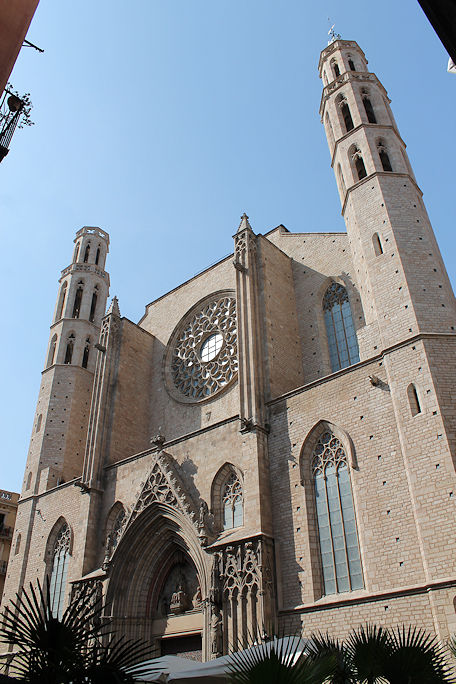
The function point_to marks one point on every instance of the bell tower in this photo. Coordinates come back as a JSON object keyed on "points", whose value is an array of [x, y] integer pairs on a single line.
{"points": [[399, 271], [409, 307], [60, 427]]}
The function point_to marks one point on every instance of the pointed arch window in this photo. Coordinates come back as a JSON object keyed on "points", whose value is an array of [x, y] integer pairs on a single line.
{"points": [[330, 131], [60, 560], [335, 68], [97, 257], [76, 252], [351, 64], [86, 253], [414, 402], [78, 300], [232, 502], [359, 163], [340, 177], [52, 348], [342, 341], [345, 111], [116, 531], [93, 305], [69, 349], [368, 107], [85, 354], [377, 244], [62, 298], [384, 158], [339, 547]]}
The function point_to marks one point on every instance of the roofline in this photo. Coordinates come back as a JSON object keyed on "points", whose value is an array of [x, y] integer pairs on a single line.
{"points": [[174, 289]]}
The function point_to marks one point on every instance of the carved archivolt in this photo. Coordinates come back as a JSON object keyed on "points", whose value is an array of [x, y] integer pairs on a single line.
{"points": [[164, 486]]}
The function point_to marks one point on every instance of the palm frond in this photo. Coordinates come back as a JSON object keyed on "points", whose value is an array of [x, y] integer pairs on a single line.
{"points": [[417, 658], [323, 646], [368, 649]]}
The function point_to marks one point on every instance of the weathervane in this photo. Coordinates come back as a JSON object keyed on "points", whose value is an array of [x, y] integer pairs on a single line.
{"points": [[332, 34]]}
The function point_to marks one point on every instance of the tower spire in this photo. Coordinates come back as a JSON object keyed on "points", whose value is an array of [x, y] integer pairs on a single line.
{"points": [[244, 224]]}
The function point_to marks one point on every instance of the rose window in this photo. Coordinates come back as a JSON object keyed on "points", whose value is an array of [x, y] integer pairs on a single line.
{"points": [[204, 356]]}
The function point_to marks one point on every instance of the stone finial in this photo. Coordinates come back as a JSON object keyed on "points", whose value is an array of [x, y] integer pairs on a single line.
{"points": [[114, 307], [244, 223]]}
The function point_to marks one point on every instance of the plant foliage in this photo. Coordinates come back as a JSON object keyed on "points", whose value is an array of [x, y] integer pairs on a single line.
{"points": [[78, 647]]}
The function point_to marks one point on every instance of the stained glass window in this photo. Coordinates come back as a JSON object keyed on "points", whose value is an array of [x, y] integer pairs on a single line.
{"points": [[61, 554], [233, 503], [342, 341], [339, 547]]}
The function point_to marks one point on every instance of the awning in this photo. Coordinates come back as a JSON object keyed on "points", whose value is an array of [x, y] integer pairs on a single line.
{"points": [[184, 671]]}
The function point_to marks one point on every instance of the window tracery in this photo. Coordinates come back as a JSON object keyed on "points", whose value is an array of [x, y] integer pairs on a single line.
{"points": [[60, 554], [339, 548], [346, 114], [342, 341], [232, 502], [359, 163], [384, 157], [69, 349], [204, 358], [368, 106]]}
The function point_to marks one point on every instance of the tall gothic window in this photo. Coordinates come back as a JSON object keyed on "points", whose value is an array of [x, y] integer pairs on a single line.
{"points": [[93, 306], [343, 345], [383, 154], [78, 300], [346, 114], [338, 535], [358, 161], [86, 253], [85, 354], [61, 554], [232, 502], [52, 348], [69, 349], [62, 297], [368, 107]]}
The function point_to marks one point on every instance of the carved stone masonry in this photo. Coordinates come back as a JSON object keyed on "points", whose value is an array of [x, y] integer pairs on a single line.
{"points": [[165, 486], [245, 566], [88, 593]]}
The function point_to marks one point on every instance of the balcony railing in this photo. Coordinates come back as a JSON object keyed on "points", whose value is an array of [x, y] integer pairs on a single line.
{"points": [[3, 566], [6, 532]]}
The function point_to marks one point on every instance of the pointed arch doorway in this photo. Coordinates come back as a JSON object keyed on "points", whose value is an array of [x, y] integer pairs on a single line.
{"points": [[158, 580]]}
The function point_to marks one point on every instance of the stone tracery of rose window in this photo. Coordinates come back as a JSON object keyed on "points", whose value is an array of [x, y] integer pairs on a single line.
{"points": [[204, 358]]}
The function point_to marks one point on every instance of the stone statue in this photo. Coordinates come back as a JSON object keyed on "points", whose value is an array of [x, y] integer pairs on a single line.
{"points": [[216, 633]]}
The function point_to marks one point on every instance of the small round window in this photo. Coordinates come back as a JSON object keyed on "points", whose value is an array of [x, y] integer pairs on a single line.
{"points": [[211, 347]]}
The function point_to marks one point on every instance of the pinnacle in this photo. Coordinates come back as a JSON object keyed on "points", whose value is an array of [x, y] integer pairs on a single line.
{"points": [[114, 307], [244, 224]]}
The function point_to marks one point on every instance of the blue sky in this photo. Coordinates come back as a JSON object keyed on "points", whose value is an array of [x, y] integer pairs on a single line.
{"points": [[161, 121]]}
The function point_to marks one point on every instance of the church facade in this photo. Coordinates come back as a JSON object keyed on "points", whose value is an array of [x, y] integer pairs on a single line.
{"points": [[272, 446]]}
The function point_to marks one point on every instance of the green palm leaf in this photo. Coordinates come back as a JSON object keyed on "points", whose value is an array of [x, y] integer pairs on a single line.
{"points": [[416, 658], [281, 660]]}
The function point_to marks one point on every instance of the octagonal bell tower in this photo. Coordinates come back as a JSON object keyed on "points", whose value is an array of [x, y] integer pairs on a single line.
{"points": [[393, 245], [60, 427]]}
